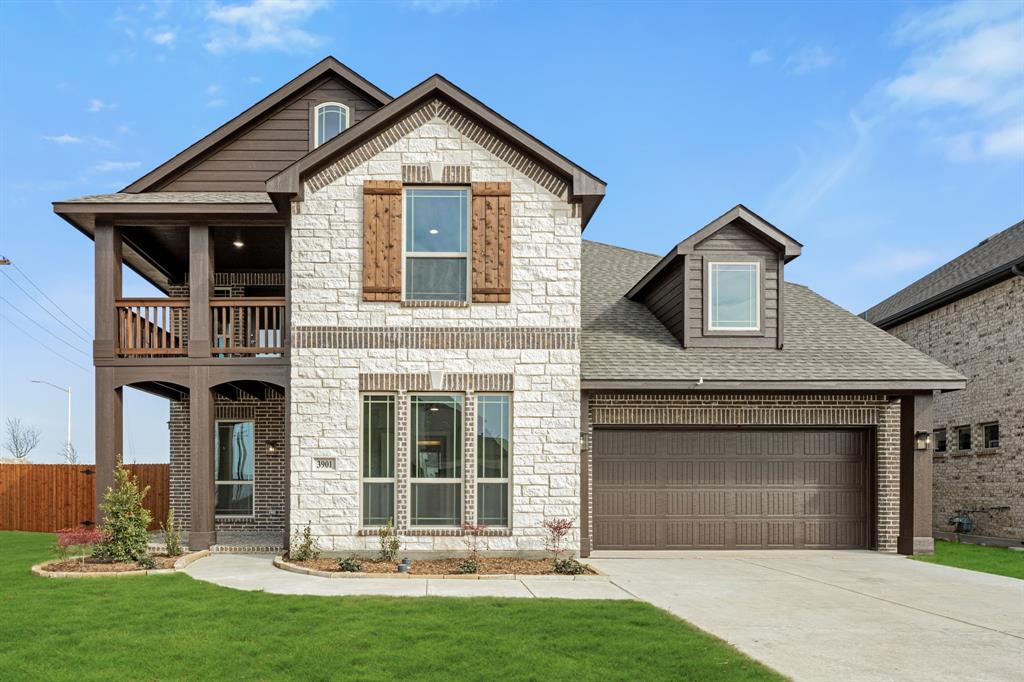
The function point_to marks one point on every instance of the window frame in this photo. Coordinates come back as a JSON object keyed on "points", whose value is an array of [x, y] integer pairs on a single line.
{"points": [[217, 482], [467, 255], [970, 438], [314, 140], [459, 481], [394, 457], [984, 435], [507, 479], [713, 259], [944, 440]]}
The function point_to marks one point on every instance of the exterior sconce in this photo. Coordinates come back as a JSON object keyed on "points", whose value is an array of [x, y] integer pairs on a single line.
{"points": [[272, 447], [922, 440]]}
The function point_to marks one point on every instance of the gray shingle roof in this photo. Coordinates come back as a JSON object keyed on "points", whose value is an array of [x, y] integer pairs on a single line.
{"points": [[623, 341], [985, 264], [174, 198]]}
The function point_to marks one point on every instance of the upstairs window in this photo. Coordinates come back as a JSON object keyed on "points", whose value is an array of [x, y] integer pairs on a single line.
{"points": [[991, 435], [329, 119], [963, 438], [940, 440], [436, 244], [734, 296]]}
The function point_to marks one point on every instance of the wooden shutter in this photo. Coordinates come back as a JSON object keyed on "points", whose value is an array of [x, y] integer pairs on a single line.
{"points": [[382, 240], [492, 242]]}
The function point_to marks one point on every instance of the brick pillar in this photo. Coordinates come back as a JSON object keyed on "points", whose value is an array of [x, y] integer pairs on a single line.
{"points": [[469, 514], [915, 477], [585, 441], [887, 476], [402, 456]]}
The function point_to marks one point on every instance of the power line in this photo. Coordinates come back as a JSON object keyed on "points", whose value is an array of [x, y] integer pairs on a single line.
{"points": [[58, 354], [56, 305], [45, 309], [51, 334]]}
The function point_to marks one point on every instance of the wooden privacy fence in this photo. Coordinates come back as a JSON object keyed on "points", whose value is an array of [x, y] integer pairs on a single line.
{"points": [[48, 497]]}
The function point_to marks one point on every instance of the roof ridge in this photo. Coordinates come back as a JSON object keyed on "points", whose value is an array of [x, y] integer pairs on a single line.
{"points": [[622, 248]]}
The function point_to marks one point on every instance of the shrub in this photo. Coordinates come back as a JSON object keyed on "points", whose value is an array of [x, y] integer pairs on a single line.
{"points": [[468, 566], [78, 540], [556, 529], [390, 543], [304, 547], [569, 567], [172, 535], [125, 520], [147, 562], [350, 564], [471, 536]]}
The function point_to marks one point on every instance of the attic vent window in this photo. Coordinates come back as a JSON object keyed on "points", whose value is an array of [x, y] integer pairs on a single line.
{"points": [[734, 296], [329, 119]]}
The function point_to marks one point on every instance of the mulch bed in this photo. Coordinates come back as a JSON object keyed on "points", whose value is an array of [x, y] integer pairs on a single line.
{"points": [[486, 566], [96, 566]]}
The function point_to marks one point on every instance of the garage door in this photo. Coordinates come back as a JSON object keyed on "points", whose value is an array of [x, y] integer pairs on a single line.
{"points": [[738, 489]]}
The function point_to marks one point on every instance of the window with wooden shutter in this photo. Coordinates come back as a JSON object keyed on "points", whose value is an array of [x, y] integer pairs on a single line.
{"points": [[492, 242], [382, 240]]}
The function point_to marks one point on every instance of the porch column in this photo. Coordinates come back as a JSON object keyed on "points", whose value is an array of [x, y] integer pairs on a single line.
{"points": [[915, 477], [109, 433], [202, 532], [200, 280], [107, 288]]}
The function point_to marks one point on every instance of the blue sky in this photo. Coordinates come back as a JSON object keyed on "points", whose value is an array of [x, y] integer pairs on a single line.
{"points": [[887, 137]]}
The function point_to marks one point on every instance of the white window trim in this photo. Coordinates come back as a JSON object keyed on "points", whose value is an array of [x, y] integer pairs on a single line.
{"points": [[757, 296], [394, 454], [507, 480], [316, 120], [406, 254], [252, 482], [460, 480]]}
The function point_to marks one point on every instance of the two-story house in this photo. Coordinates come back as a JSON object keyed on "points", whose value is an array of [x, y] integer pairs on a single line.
{"points": [[383, 309], [969, 314]]}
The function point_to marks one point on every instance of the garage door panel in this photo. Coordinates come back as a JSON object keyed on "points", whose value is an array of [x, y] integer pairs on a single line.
{"points": [[846, 474], [834, 534]]}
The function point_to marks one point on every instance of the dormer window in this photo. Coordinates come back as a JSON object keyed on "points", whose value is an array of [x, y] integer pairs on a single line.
{"points": [[329, 119], [734, 296]]}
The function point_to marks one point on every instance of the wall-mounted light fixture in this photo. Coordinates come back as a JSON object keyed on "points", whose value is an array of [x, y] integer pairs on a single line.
{"points": [[272, 447], [922, 440]]}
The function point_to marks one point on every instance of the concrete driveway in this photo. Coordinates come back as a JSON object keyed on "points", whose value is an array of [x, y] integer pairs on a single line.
{"points": [[830, 615]]}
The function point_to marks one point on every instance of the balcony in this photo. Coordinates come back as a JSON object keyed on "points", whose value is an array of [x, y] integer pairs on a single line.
{"points": [[239, 327]]}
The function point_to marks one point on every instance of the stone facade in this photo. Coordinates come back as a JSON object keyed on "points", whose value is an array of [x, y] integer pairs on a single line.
{"points": [[982, 337], [879, 412], [342, 344]]}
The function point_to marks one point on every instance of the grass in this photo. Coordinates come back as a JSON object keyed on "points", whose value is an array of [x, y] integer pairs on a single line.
{"points": [[998, 560], [174, 627]]}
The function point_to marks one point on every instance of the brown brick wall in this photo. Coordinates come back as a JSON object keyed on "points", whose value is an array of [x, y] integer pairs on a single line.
{"points": [[740, 409], [270, 468], [982, 337]]}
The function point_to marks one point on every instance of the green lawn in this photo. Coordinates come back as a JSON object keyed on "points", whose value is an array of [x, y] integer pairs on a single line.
{"points": [[174, 627], [998, 560]]}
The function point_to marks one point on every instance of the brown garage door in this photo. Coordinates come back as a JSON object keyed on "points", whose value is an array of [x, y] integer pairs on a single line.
{"points": [[730, 489]]}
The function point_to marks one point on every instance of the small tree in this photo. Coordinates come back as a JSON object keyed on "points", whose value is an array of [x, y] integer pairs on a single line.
{"points": [[172, 534], [557, 529], [472, 536], [390, 543], [77, 541], [20, 439], [125, 520]]}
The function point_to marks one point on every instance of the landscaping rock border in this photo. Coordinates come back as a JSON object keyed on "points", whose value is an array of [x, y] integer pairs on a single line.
{"points": [[285, 565], [182, 562]]}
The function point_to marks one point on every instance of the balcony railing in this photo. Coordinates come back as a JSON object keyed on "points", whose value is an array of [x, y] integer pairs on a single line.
{"points": [[247, 326], [150, 327]]}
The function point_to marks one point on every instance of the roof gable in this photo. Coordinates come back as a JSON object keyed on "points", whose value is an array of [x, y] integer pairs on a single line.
{"points": [[159, 177], [581, 186]]}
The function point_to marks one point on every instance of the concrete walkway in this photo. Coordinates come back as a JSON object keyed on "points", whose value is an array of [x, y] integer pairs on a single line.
{"points": [[257, 572], [848, 615]]}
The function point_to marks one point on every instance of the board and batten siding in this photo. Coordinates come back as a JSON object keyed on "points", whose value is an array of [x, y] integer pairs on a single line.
{"points": [[246, 161], [736, 242]]}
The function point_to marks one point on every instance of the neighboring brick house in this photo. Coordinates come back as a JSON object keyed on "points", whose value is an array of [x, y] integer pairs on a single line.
{"points": [[383, 309], [969, 314]]}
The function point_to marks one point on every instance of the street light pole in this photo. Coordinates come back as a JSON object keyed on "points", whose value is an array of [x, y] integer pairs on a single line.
{"points": [[67, 450]]}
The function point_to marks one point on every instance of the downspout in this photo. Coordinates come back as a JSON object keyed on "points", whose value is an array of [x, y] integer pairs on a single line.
{"points": [[1015, 269]]}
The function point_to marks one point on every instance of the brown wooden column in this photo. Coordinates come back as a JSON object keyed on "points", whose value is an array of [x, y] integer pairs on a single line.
{"points": [[107, 287], [200, 278], [109, 433], [915, 477], [202, 532]]}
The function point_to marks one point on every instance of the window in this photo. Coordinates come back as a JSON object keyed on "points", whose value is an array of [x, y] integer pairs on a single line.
{"points": [[329, 119], [940, 440], [235, 452], [734, 296], [493, 450], [378, 465], [990, 434], [435, 490], [963, 438], [436, 244]]}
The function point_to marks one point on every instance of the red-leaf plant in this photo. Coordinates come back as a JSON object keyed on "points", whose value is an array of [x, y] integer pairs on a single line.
{"points": [[78, 540], [557, 529]]}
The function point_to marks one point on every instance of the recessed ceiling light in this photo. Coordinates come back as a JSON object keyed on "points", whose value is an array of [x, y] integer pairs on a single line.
{"points": [[432, 230], [238, 243]]}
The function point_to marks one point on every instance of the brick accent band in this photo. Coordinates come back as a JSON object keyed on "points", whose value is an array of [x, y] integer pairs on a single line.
{"points": [[437, 338], [456, 175], [440, 532], [415, 173], [421, 382]]}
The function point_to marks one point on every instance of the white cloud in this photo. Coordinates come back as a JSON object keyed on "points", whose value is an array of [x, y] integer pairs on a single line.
{"points": [[894, 261], [112, 166], [212, 89], [263, 25], [253, 79], [1008, 141], [97, 105], [218, 102], [758, 57], [440, 6], [808, 59], [63, 139], [163, 38]]}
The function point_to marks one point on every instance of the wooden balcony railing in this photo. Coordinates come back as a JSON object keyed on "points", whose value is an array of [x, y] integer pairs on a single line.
{"points": [[152, 326], [247, 326]]}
